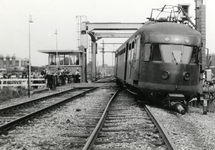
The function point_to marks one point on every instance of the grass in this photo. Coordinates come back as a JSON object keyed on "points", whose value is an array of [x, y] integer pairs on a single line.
{"points": [[12, 92]]}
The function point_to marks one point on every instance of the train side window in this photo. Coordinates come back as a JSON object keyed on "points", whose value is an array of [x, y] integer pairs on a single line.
{"points": [[129, 46], [132, 44], [156, 55], [133, 51], [129, 55], [137, 47], [146, 52]]}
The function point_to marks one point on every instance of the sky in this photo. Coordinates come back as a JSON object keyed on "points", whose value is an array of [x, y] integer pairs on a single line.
{"points": [[49, 15]]}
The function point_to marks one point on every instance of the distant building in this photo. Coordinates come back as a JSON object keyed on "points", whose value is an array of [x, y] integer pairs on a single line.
{"points": [[12, 61]]}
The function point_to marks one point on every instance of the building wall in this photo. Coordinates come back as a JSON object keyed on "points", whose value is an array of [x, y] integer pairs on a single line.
{"points": [[12, 61]]}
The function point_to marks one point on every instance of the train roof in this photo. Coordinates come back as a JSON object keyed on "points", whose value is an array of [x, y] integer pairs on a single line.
{"points": [[170, 33], [157, 32], [169, 28]]}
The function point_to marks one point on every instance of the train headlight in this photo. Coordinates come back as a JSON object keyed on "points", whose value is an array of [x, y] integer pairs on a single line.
{"points": [[167, 39], [186, 76], [165, 75], [186, 40]]}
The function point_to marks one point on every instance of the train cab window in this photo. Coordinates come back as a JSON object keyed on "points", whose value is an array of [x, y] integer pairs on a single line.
{"points": [[194, 55], [166, 52], [156, 55], [177, 53]]}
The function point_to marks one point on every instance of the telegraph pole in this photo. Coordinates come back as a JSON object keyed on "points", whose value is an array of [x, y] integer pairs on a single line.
{"points": [[29, 64], [103, 48], [56, 49]]}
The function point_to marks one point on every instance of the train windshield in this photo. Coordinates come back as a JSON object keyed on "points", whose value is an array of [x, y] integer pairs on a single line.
{"points": [[178, 53]]}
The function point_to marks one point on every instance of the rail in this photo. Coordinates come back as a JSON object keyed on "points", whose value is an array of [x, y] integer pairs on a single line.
{"points": [[95, 132], [17, 121], [167, 140], [21, 82]]}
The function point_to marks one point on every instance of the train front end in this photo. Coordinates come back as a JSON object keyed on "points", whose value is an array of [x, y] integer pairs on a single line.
{"points": [[170, 63]]}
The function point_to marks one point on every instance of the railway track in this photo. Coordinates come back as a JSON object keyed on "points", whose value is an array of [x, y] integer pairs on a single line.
{"points": [[16, 114], [106, 80], [120, 124]]}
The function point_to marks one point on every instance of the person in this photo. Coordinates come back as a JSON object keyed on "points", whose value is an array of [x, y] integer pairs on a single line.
{"points": [[62, 76], [77, 62], [77, 76], [36, 75], [58, 77], [24, 73], [43, 73]]}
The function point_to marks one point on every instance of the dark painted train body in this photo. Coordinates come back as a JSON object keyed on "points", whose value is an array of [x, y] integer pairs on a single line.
{"points": [[162, 61]]}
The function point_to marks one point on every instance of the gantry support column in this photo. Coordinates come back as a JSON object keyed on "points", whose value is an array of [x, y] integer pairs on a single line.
{"points": [[94, 50], [83, 60]]}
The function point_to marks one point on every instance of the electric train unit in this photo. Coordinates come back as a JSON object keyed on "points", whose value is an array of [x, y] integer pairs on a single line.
{"points": [[162, 62]]}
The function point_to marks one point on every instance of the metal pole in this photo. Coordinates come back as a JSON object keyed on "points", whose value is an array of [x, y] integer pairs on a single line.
{"points": [[103, 62], [56, 49], [79, 21], [93, 77], [29, 66]]}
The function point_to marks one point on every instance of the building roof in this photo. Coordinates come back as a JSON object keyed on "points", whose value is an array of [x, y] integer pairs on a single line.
{"points": [[60, 52]]}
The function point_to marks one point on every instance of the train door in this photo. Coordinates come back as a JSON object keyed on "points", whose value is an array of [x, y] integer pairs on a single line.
{"points": [[130, 54], [126, 58], [136, 60], [116, 65]]}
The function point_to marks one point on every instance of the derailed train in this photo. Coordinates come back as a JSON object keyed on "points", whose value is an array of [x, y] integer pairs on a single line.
{"points": [[162, 63]]}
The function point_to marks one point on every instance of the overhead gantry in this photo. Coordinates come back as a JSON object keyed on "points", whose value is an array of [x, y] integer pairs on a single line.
{"points": [[104, 30]]}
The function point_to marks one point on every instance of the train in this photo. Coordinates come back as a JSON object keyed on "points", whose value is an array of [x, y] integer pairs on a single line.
{"points": [[162, 63]]}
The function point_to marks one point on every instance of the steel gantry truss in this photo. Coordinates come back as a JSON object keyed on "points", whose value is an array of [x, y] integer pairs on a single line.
{"points": [[104, 30]]}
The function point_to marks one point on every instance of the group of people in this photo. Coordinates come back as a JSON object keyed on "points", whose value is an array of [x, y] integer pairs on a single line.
{"points": [[61, 76], [53, 77]]}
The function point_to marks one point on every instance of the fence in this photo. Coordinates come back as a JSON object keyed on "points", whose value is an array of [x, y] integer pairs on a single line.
{"points": [[21, 82]]}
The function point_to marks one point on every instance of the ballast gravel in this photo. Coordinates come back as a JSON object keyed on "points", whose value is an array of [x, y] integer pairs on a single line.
{"points": [[53, 130], [192, 131]]}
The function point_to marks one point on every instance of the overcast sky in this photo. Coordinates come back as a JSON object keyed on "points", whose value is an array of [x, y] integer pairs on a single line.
{"points": [[49, 15]]}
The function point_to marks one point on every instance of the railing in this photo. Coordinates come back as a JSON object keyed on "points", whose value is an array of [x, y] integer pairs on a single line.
{"points": [[21, 82]]}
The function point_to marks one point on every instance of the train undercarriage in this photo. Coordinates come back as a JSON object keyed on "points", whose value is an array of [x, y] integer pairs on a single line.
{"points": [[172, 101]]}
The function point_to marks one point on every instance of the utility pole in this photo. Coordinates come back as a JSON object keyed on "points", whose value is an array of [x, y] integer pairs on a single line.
{"points": [[108, 51], [56, 49], [103, 48], [29, 64]]}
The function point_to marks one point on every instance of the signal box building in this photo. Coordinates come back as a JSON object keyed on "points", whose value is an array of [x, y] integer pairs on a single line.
{"points": [[73, 60]]}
